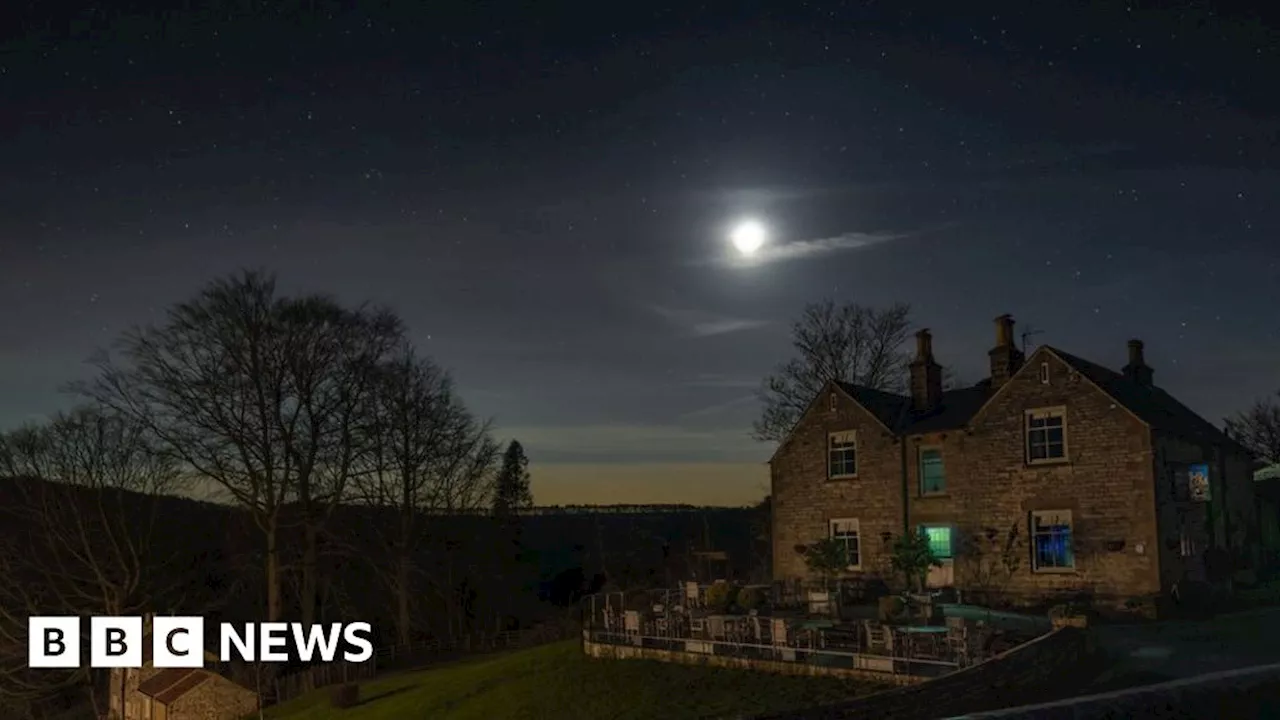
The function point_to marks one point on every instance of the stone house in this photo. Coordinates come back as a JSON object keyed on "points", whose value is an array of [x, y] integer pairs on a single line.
{"points": [[1053, 477], [152, 693]]}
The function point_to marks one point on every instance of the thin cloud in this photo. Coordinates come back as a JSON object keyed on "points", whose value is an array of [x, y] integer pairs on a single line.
{"points": [[718, 408], [700, 324], [803, 249], [716, 380], [823, 246]]}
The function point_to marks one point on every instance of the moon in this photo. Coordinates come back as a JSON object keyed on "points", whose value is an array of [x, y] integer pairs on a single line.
{"points": [[748, 237]]}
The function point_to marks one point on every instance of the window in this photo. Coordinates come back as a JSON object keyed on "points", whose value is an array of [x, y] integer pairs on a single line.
{"points": [[933, 479], [831, 403], [1046, 435], [846, 531], [1188, 548], [1051, 547], [939, 540], [842, 455], [1044, 373]]}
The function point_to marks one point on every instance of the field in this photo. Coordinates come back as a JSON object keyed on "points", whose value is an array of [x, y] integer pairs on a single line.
{"points": [[558, 681]]}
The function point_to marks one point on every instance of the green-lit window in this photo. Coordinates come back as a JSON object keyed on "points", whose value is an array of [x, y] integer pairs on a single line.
{"points": [[939, 540], [933, 476]]}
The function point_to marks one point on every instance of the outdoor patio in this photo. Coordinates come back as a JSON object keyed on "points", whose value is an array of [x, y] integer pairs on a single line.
{"points": [[904, 635]]}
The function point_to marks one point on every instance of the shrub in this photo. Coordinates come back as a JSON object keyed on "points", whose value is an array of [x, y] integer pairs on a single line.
{"points": [[721, 595], [344, 696], [751, 599]]}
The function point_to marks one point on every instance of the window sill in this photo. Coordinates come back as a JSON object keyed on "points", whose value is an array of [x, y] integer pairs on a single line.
{"points": [[836, 478], [1053, 571], [933, 495], [1048, 463]]}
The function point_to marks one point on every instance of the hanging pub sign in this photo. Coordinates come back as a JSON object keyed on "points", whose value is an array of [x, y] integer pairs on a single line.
{"points": [[1198, 482]]}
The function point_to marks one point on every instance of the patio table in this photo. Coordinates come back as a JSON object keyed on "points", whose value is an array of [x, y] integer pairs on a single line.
{"points": [[923, 639]]}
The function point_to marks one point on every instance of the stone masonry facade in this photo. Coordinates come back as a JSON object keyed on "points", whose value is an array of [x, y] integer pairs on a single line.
{"points": [[1133, 534], [214, 699], [804, 501]]}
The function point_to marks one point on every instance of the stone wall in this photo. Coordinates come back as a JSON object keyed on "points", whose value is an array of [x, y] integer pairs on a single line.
{"points": [[1247, 693], [805, 501], [1023, 674], [1107, 482], [217, 698]]}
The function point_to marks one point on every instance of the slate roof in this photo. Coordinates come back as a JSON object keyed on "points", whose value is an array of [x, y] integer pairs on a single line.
{"points": [[953, 411], [182, 687], [886, 406], [957, 407], [1156, 407], [164, 680], [170, 684]]}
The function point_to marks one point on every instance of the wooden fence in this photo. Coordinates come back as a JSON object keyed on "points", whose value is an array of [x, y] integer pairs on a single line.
{"points": [[288, 687]]}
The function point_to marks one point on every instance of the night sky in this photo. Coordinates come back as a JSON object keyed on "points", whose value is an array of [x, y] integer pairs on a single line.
{"points": [[544, 190]]}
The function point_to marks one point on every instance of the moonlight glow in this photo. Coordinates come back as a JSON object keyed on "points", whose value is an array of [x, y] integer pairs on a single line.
{"points": [[748, 237]]}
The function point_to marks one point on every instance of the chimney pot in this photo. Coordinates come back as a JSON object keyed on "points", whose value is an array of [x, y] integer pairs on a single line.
{"points": [[1006, 358], [926, 375], [1004, 330], [924, 345], [1137, 369], [1135, 353]]}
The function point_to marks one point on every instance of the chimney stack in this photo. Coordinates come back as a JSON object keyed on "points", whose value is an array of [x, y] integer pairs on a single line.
{"points": [[926, 375], [1137, 370], [1006, 358]]}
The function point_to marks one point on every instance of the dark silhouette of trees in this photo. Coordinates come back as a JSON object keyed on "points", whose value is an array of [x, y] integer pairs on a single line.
{"points": [[1258, 428], [261, 394], [87, 493], [428, 456], [852, 343], [511, 493]]}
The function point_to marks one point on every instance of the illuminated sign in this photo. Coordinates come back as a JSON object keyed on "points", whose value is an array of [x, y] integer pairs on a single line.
{"points": [[1198, 482]]}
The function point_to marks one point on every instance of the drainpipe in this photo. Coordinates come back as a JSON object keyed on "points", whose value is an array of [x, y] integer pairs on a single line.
{"points": [[906, 494]]}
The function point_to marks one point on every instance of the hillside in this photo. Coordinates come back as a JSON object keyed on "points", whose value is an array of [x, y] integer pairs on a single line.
{"points": [[558, 681]]}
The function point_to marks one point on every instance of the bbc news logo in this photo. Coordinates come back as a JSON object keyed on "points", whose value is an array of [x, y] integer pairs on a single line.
{"points": [[178, 642]]}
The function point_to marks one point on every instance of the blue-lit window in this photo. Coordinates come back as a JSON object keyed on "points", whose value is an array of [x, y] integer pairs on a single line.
{"points": [[1046, 435], [1051, 544], [933, 477], [842, 455], [939, 540]]}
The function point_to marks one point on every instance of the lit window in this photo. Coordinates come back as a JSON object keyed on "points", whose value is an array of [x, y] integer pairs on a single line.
{"points": [[1046, 435], [1051, 542], [939, 540], [842, 455], [933, 479], [845, 530]]}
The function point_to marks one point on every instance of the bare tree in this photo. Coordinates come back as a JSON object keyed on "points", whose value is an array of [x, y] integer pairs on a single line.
{"points": [[428, 455], [87, 492], [1258, 428], [258, 393], [332, 357], [851, 343]]}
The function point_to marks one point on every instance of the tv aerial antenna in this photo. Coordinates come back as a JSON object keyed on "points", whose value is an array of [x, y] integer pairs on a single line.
{"points": [[1027, 334]]}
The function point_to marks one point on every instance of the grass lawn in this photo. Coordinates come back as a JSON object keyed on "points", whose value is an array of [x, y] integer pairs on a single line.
{"points": [[557, 681]]}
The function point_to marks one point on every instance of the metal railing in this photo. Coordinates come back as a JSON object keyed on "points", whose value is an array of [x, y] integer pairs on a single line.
{"points": [[822, 657]]}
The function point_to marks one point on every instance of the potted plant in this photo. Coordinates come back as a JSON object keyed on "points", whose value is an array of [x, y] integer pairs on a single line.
{"points": [[912, 557], [751, 600], [826, 558], [721, 596]]}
